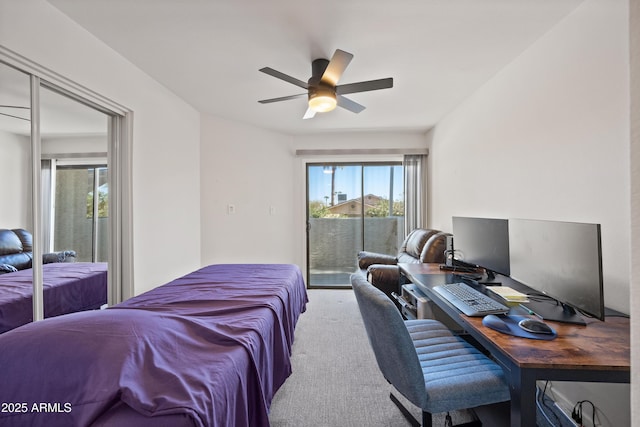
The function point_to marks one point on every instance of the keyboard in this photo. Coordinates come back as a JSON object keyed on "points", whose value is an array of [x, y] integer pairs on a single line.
{"points": [[470, 301]]}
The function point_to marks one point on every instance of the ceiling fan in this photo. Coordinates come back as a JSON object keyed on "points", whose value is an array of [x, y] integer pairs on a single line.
{"points": [[323, 91]]}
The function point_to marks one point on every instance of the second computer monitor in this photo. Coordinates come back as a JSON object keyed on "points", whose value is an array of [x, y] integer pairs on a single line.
{"points": [[482, 242], [562, 260]]}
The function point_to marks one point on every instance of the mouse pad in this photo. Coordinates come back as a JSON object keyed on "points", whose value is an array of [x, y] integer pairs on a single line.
{"points": [[511, 321]]}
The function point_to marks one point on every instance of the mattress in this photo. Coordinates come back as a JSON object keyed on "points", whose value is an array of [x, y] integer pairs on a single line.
{"points": [[67, 288], [208, 349]]}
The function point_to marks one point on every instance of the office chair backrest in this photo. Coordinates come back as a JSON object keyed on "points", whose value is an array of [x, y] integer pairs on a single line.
{"points": [[390, 340]]}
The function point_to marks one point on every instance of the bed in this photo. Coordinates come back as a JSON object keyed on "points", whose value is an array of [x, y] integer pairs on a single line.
{"points": [[67, 288], [208, 349]]}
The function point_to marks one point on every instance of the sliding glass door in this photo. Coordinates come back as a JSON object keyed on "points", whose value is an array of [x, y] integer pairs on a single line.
{"points": [[80, 219], [351, 207]]}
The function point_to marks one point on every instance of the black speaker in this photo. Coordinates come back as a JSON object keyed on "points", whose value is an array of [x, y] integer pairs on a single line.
{"points": [[449, 251]]}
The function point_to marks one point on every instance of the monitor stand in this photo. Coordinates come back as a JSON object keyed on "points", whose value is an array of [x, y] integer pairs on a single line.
{"points": [[554, 310], [490, 280]]}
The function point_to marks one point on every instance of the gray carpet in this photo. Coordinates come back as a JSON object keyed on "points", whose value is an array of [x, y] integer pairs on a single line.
{"points": [[335, 379]]}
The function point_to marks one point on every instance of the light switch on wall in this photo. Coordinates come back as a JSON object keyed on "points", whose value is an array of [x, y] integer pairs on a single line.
{"points": [[231, 209]]}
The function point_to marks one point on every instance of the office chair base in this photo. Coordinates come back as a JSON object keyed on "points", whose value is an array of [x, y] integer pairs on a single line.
{"points": [[427, 418], [405, 412]]}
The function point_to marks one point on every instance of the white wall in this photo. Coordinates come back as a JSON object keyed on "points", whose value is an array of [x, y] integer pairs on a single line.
{"points": [[361, 140], [548, 138], [166, 139], [15, 162], [250, 169], [75, 144]]}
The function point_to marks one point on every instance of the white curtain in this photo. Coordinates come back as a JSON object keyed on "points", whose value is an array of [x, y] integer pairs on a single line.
{"points": [[415, 192]]}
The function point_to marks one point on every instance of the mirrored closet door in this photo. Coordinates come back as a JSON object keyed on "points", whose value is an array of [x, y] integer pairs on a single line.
{"points": [[75, 201], [74, 169], [64, 190]]}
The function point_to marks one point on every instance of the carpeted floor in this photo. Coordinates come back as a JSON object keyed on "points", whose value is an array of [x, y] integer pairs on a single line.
{"points": [[335, 380]]}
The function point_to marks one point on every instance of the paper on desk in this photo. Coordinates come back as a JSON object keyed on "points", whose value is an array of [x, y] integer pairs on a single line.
{"points": [[509, 294]]}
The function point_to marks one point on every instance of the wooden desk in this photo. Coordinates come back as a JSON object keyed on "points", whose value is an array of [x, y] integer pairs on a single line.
{"points": [[597, 352]]}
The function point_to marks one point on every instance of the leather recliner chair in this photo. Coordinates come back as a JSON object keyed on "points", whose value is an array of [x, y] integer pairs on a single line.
{"points": [[420, 246], [16, 251]]}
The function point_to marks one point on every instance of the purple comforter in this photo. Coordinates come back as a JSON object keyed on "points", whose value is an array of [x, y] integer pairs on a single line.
{"points": [[68, 287], [213, 346]]}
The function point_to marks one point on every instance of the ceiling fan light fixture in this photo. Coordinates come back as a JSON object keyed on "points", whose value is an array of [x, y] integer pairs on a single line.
{"points": [[323, 91], [322, 100], [322, 104]]}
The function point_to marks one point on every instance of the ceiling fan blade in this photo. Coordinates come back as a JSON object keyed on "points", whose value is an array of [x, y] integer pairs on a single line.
{"points": [[286, 78], [336, 67], [365, 86], [350, 105], [282, 98], [309, 114]]}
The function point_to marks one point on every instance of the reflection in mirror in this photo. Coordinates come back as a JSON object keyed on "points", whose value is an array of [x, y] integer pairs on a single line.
{"points": [[79, 219], [16, 206], [74, 145], [15, 148], [72, 141]]}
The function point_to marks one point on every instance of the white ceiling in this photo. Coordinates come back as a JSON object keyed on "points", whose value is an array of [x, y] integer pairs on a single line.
{"points": [[208, 52]]}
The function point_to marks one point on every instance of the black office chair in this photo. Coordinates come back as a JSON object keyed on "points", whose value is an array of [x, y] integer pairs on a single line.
{"points": [[432, 368]]}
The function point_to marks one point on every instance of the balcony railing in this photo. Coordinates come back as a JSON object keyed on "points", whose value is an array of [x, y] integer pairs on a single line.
{"points": [[335, 242]]}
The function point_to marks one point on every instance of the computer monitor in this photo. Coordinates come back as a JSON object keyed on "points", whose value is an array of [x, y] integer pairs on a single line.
{"points": [[482, 242], [562, 260]]}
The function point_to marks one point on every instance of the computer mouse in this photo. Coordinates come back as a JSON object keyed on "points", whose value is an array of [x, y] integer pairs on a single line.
{"points": [[535, 326], [495, 322]]}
